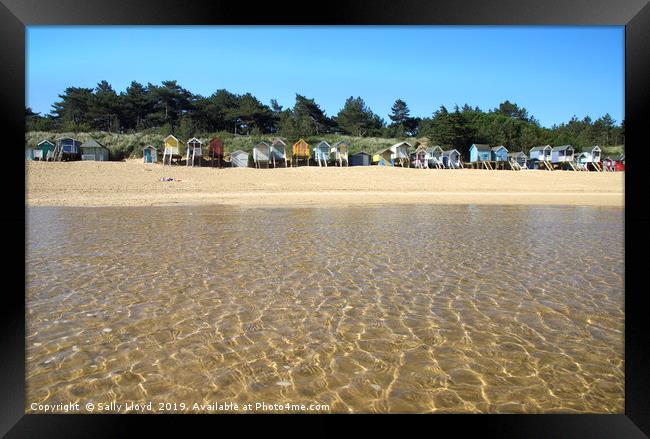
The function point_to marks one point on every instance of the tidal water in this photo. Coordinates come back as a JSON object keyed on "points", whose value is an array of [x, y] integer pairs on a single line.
{"points": [[489, 309]]}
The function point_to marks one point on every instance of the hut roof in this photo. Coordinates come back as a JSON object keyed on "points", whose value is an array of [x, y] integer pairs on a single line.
{"points": [[562, 148], [449, 151], [591, 148], [238, 152], [150, 147], [515, 154], [482, 146], [318, 145], [398, 144], [383, 151], [541, 148], [44, 141], [276, 141], [421, 148], [58, 139], [340, 143], [362, 153], [92, 143], [194, 140], [262, 143], [496, 148]]}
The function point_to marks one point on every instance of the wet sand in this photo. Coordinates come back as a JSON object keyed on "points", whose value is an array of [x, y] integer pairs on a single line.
{"points": [[132, 183], [408, 309]]}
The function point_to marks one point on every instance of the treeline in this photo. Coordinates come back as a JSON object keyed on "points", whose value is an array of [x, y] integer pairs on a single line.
{"points": [[170, 108]]}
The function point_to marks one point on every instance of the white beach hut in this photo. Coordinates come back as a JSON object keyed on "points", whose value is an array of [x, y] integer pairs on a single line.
{"points": [[433, 156], [451, 159], [278, 152], [562, 154], [239, 159], [399, 153], [594, 152], [261, 154], [541, 153], [340, 153], [194, 151], [517, 160]]}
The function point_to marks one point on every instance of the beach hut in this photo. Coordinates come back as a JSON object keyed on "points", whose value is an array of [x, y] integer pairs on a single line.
{"points": [[261, 154], [609, 164], [215, 151], [300, 151], [29, 153], [619, 164], [582, 160], [361, 158], [562, 154], [383, 157], [400, 153], [451, 159], [93, 150], [517, 160], [193, 151], [594, 153], [541, 153], [149, 154], [278, 152], [42, 150], [322, 152], [433, 156], [480, 152], [239, 159], [171, 148], [66, 148], [340, 153], [499, 154], [419, 158]]}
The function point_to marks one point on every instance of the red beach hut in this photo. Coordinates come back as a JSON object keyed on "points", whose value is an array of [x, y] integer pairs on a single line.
{"points": [[215, 151]]}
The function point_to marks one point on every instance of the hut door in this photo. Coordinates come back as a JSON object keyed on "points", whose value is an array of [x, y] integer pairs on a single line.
{"points": [[147, 156]]}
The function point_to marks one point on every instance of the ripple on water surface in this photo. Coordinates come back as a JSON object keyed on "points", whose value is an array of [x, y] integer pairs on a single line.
{"points": [[386, 309]]}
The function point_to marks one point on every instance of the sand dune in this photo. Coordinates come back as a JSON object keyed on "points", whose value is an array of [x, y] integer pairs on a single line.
{"points": [[133, 183]]}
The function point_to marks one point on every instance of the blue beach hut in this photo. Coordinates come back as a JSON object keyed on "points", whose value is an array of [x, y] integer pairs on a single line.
{"points": [[149, 154], [479, 152], [322, 153], [361, 158], [499, 154]]}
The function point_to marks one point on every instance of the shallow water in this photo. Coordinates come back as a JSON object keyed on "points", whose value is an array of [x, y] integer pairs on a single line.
{"points": [[383, 309]]}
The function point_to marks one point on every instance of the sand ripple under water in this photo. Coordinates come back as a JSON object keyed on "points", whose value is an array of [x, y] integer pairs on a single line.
{"points": [[486, 309]]}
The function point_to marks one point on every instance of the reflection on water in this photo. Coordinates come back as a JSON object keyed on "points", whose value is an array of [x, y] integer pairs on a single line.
{"points": [[409, 309]]}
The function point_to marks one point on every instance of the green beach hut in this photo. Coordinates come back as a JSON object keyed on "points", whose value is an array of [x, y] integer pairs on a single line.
{"points": [[93, 150], [43, 148]]}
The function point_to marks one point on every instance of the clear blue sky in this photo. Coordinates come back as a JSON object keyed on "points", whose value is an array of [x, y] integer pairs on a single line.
{"points": [[553, 71]]}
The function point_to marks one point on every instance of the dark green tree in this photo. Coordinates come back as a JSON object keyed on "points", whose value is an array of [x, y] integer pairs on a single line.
{"points": [[357, 118]]}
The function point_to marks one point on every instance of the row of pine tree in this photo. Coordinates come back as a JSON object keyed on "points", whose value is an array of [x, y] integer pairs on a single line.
{"points": [[168, 108]]}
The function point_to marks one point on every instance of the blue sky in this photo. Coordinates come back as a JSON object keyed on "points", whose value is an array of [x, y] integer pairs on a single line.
{"points": [[554, 72]]}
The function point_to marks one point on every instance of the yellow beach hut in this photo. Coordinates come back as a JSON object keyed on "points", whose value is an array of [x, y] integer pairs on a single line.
{"points": [[383, 158], [171, 148], [300, 152]]}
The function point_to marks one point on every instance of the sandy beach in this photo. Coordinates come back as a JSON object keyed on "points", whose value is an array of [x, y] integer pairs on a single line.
{"points": [[133, 183]]}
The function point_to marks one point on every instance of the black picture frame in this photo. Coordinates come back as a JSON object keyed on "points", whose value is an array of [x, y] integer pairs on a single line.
{"points": [[15, 15]]}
